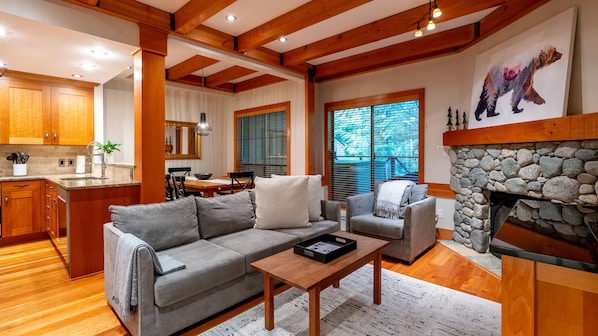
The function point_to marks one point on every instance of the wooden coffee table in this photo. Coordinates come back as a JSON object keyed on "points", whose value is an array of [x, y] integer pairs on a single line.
{"points": [[313, 276]]}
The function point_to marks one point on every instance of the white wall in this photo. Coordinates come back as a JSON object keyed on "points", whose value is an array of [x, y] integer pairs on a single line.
{"points": [[448, 82]]}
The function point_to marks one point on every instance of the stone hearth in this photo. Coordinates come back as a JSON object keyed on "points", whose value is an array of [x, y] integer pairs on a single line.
{"points": [[565, 172]]}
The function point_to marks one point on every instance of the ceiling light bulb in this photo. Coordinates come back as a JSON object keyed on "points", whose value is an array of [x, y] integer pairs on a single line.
{"points": [[3, 32], [77, 76], [282, 39], [100, 53], [431, 25], [419, 32], [436, 13], [231, 18], [87, 65]]}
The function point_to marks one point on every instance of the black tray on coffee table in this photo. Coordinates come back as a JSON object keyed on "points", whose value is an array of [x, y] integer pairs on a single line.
{"points": [[325, 248]]}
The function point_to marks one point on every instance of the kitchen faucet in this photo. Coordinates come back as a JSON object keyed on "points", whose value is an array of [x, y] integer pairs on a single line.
{"points": [[91, 153]]}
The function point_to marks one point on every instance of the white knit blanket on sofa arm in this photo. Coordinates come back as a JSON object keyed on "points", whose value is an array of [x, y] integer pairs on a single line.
{"points": [[389, 198], [125, 273]]}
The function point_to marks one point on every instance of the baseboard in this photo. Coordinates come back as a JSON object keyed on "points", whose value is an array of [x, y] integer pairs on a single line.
{"points": [[444, 234]]}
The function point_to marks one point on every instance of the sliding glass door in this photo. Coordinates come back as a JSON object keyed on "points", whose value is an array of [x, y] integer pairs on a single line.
{"points": [[373, 143]]}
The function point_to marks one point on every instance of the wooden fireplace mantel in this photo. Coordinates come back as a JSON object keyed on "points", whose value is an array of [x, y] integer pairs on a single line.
{"points": [[576, 127]]}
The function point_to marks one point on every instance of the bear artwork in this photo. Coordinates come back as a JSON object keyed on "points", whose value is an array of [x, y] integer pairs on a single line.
{"points": [[499, 82]]}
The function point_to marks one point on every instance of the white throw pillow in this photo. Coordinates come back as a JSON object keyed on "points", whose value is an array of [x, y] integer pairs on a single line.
{"points": [[281, 203], [314, 195]]}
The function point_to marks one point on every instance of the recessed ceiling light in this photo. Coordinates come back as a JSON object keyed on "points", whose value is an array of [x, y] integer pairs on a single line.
{"points": [[282, 39], [77, 75], [2, 64], [100, 53], [87, 65], [231, 18], [3, 32]]}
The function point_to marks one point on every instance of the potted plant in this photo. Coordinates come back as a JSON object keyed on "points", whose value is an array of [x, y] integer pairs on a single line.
{"points": [[108, 148]]}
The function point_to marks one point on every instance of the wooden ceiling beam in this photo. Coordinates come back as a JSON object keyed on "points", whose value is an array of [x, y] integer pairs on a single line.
{"points": [[211, 37], [431, 45], [195, 12], [227, 75], [257, 82], [391, 26], [137, 12], [295, 20], [189, 80], [189, 66], [509, 12], [90, 2]]}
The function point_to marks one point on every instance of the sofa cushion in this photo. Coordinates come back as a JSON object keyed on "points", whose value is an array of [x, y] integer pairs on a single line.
{"points": [[314, 195], [316, 229], [224, 214], [418, 193], [256, 244], [162, 225], [281, 203], [392, 198], [378, 226], [207, 266]]}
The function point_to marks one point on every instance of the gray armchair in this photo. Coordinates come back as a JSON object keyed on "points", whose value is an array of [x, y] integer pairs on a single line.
{"points": [[409, 237]]}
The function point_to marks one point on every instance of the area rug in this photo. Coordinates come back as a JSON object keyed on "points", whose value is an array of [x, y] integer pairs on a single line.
{"points": [[409, 307]]}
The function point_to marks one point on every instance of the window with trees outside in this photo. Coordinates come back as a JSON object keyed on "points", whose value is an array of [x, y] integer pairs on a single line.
{"points": [[262, 143], [374, 139]]}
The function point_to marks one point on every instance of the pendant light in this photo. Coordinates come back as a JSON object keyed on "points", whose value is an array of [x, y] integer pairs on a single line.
{"points": [[203, 128]]}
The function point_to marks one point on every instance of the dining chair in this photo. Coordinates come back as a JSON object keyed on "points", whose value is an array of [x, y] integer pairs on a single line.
{"points": [[240, 181], [169, 188], [176, 171], [179, 189]]}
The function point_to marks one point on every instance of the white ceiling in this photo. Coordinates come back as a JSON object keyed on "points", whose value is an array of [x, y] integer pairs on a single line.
{"points": [[44, 46]]}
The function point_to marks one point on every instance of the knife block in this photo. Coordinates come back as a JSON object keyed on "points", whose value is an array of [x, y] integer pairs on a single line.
{"points": [[19, 169]]}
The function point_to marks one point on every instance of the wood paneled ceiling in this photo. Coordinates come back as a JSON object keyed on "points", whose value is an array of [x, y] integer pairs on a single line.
{"points": [[327, 39]]}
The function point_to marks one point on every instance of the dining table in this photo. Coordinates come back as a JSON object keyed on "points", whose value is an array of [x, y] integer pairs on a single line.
{"points": [[210, 186]]}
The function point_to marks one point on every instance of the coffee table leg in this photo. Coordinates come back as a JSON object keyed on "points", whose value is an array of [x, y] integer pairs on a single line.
{"points": [[378, 278], [314, 312], [268, 302]]}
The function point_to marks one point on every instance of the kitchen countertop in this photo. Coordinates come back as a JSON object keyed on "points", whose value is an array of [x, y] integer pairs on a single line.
{"points": [[76, 181], [547, 234]]}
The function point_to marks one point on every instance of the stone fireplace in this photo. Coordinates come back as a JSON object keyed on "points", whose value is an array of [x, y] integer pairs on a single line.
{"points": [[563, 169]]}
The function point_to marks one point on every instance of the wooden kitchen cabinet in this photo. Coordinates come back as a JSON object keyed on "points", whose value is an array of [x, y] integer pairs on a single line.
{"points": [[21, 208], [40, 110], [50, 210]]}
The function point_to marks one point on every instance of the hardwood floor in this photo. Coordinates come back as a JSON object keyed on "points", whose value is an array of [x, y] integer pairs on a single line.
{"points": [[37, 297]]}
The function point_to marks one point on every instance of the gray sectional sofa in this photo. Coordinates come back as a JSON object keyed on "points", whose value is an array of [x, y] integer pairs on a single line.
{"points": [[216, 239]]}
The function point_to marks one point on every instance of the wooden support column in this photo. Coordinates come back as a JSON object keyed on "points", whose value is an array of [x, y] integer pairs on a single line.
{"points": [[311, 164], [150, 115]]}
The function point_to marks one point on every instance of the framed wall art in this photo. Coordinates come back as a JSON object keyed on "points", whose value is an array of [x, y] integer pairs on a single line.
{"points": [[526, 77]]}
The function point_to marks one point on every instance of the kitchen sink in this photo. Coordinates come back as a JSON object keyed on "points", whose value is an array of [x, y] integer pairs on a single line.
{"points": [[83, 178]]}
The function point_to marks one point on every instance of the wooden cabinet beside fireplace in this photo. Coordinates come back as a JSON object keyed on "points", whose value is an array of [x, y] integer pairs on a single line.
{"points": [[543, 299]]}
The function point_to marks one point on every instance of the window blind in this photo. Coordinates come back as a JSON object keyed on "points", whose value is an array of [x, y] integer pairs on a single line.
{"points": [[261, 143]]}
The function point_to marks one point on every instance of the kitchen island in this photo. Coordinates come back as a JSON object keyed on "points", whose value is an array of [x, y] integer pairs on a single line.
{"points": [[549, 275], [82, 203]]}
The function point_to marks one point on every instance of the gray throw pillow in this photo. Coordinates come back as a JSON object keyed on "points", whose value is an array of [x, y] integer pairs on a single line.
{"points": [[161, 225], [225, 214], [418, 193]]}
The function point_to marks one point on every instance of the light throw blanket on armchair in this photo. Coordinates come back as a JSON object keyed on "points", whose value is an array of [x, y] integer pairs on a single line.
{"points": [[392, 198]]}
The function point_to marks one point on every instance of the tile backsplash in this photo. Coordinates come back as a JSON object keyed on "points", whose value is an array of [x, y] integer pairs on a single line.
{"points": [[43, 160]]}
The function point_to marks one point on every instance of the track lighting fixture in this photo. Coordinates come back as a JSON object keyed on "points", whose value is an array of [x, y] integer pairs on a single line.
{"points": [[433, 13]]}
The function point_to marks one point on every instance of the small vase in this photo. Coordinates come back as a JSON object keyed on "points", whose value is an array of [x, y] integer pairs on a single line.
{"points": [[109, 157]]}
